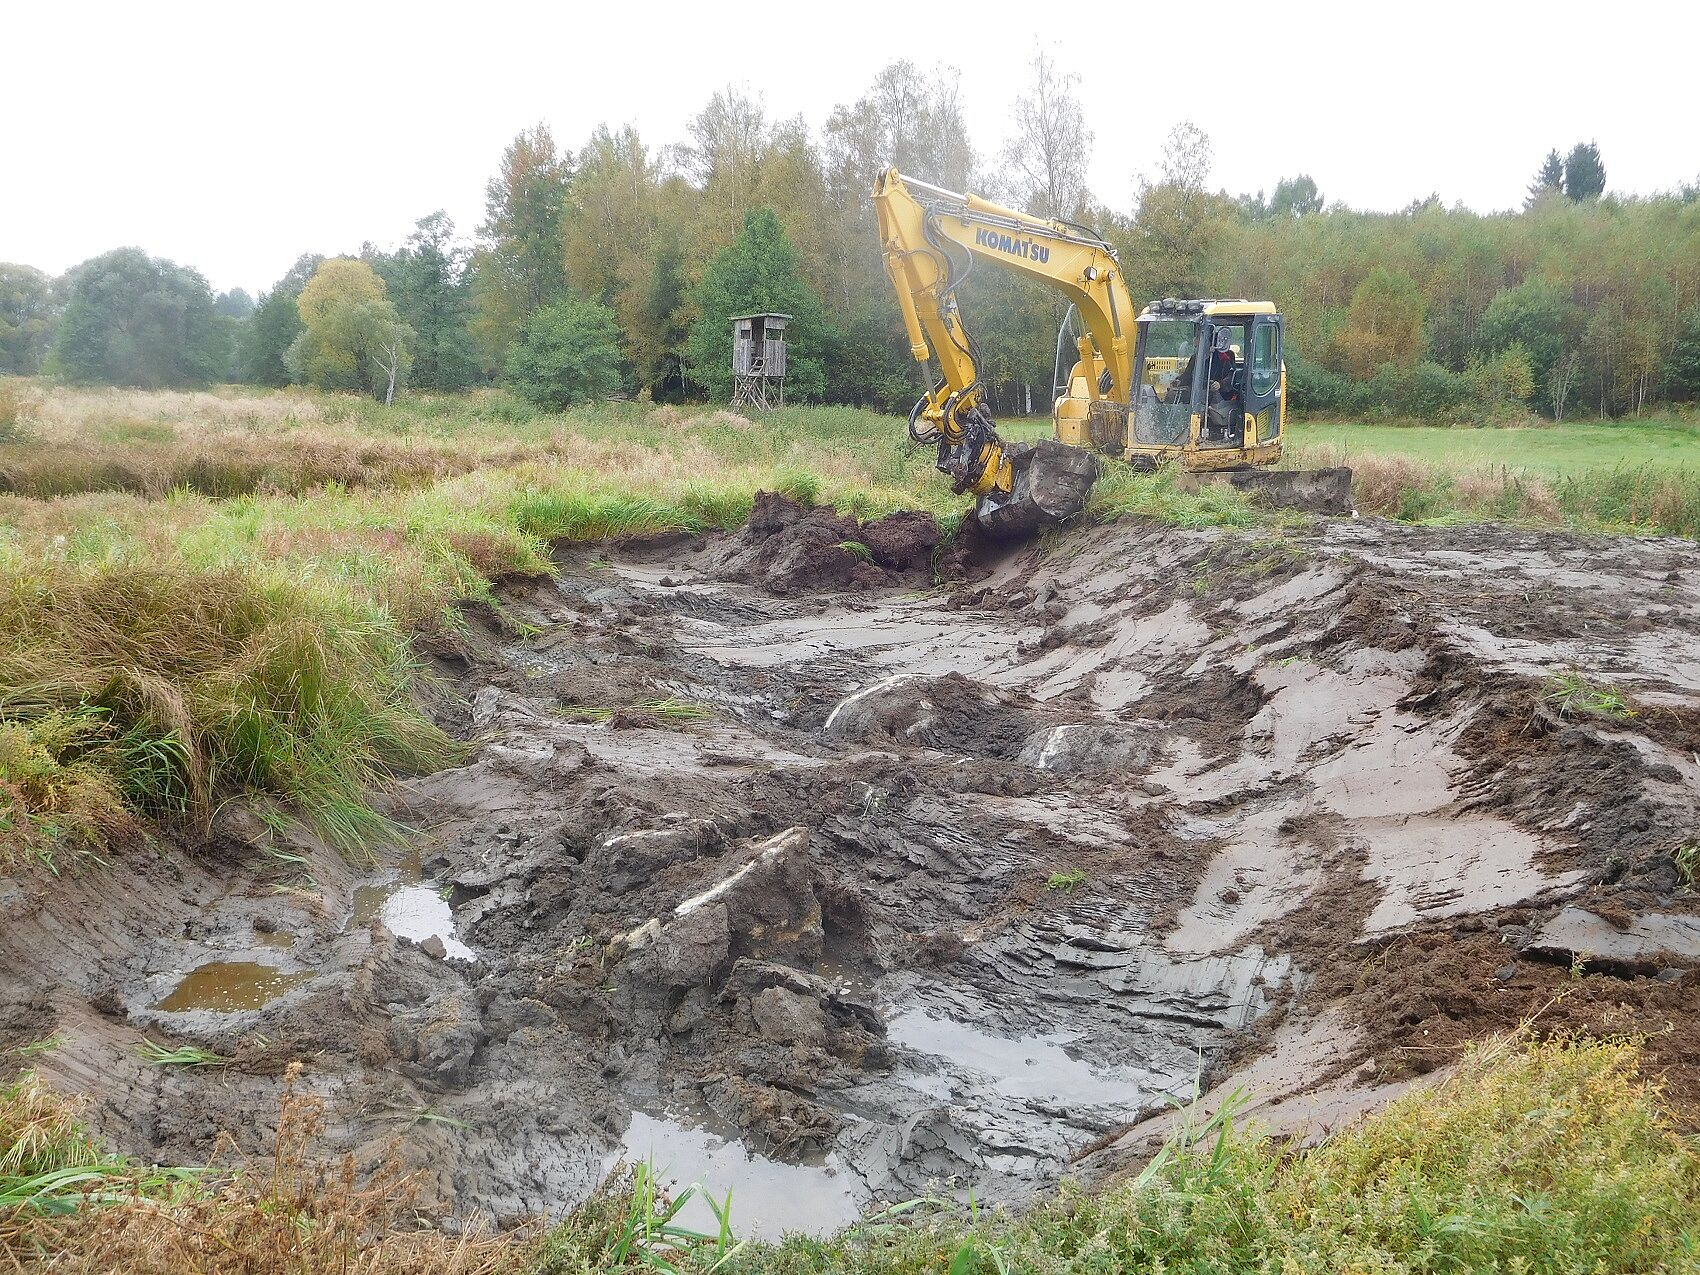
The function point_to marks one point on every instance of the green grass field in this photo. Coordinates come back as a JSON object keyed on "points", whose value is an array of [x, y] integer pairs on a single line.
{"points": [[1549, 450], [1544, 450], [1639, 477]]}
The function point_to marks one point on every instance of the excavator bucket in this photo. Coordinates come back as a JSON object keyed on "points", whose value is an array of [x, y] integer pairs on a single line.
{"points": [[1051, 483]]}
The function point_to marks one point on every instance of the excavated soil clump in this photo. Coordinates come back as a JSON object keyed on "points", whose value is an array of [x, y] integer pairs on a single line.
{"points": [[836, 864], [787, 548]]}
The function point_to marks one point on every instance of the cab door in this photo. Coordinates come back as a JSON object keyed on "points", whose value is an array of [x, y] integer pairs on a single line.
{"points": [[1263, 378]]}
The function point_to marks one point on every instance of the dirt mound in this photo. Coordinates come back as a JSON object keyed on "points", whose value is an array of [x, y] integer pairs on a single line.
{"points": [[1425, 996], [1211, 708], [951, 713], [786, 548]]}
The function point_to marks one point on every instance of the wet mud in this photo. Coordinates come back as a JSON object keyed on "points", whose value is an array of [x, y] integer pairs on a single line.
{"points": [[833, 866]]}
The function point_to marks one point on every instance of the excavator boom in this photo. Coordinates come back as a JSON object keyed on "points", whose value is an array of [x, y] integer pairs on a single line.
{"points": [[931, 238]]}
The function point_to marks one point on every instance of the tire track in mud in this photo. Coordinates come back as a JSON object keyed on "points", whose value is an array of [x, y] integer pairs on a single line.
{"points": [[837, 895]]}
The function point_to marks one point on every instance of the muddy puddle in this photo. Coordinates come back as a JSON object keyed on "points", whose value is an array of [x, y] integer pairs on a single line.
{"points": [[1036, 1071], [768, 1198], [410, 909], [854, 888], [225, 987]]}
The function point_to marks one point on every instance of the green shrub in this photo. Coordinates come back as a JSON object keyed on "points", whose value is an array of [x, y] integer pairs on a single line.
{"points": [[504, 409], [1504, 380], [567, 353], [1431, 392], [1315, 391]]}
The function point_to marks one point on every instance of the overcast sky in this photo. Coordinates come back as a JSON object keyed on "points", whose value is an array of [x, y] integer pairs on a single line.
{"points": [[234, 137]]}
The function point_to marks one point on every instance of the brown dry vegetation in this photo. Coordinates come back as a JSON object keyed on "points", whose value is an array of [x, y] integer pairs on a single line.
{"points": [[290, 1213], [152, 443], [1646, 499]]}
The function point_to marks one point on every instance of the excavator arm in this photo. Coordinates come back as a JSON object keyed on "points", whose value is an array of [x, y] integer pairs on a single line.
{"points": [[930, 239]]}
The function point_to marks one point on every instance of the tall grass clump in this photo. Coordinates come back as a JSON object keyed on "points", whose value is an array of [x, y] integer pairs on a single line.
{"points": [[577, 512], [1643, 498], [13, 405], [1121, 489], [159, 690], [41, 1143], [50, 1167]]}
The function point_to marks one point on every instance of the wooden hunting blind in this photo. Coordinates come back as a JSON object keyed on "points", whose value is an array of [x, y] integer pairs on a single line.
{"points": [[758, 360]]}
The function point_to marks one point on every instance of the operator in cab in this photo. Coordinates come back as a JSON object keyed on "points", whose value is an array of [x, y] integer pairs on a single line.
{"points": [[1223, 409]]}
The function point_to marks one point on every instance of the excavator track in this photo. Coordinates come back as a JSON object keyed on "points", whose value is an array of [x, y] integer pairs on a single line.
{"points": [[1052, 481]]}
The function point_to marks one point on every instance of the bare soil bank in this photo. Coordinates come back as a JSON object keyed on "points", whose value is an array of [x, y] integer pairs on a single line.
{"points": [[805, 877]]}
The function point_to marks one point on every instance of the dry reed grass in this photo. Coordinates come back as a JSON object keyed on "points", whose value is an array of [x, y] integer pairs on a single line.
{"points": [[1643, 499], [290, 1213], [222, 445]]}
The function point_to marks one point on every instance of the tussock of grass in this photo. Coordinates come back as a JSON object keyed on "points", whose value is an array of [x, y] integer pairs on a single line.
{"points": [[157, 1055], [669, 709], [154, 690], [1121, 490], [49, 1166], [1570, 692], [39, 1133], [1687, 859]]}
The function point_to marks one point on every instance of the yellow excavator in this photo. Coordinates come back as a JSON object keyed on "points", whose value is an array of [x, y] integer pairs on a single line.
{"points": [[1196, 382]]}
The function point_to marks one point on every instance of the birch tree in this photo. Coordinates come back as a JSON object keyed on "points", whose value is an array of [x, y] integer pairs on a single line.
{"points": [[1046, 160]]}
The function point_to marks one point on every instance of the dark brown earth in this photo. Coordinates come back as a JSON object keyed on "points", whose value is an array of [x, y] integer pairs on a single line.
{"points": [[833, 884], [786, 548]]}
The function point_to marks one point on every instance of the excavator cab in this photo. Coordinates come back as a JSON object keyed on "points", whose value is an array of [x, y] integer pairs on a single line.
{"points": [[1208, 384]]}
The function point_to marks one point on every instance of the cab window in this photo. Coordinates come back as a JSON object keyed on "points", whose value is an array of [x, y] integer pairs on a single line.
{"points": [[1265, 360], [1170, 339]]}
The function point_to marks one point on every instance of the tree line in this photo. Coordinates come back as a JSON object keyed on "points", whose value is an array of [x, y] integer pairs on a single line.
{"points": [[613, 267]]}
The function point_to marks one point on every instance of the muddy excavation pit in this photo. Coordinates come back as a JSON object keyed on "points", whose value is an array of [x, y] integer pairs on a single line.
{"points": [[835, 867]]}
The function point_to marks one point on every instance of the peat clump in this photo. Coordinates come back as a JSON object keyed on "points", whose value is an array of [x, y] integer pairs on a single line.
{"points": [[786, 547]]}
